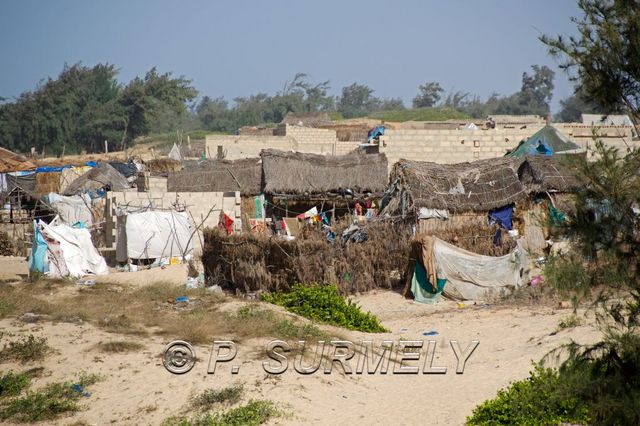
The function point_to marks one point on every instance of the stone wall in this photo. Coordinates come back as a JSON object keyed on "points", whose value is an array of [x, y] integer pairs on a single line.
{"points": [[197, 204]]}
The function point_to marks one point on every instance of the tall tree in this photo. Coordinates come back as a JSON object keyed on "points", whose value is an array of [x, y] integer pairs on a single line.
{"points": [[429, 94], [604, 59], [572, 108]]}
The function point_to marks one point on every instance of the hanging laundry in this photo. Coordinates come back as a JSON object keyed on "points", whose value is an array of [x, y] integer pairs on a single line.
{"points": [[227, 223], [503, 216], [325, 219]]}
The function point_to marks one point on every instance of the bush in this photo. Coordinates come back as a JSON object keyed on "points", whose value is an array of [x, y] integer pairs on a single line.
{"points": [[323, 303], [254, 413], [11, 384], [29, 348], [229, 395], [47, 403], [536, 400], [420, 114]]}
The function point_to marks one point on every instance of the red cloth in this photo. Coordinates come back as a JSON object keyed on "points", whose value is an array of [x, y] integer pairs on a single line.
{"points": [[228, 224]]}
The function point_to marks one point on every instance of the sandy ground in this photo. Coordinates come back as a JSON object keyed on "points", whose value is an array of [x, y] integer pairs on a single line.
{"points": [[136, 388]]}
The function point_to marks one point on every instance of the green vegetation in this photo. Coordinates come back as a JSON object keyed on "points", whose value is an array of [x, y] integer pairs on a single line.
{"points": [[251, 315], [254, 413], [11, 384], [46, 403], [420, 114], [85, 106], [542, 399], [321, 302], [571, 321], [28, 348], [230, 395], [597, 383]]}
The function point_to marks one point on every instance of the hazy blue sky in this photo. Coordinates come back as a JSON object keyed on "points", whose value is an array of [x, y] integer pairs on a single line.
{"points": [[237, 48]]}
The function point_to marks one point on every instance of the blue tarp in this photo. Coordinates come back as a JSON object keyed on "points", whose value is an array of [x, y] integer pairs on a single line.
{"points": [[502, 216], [49, 169], [374, 133], [38, 251]]}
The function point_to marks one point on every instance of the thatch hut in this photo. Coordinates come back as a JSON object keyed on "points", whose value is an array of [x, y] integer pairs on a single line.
{"points": [[478, 187], [549, 174], [218, 176], [452, 201], [295, 182], [312, 176]]}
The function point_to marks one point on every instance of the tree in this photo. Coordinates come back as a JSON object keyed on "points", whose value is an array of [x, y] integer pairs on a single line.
{"points": [[572, 108], [537, 90], [604, 59], [85, 106], [429, 94], [356, 101], [533, 97]]}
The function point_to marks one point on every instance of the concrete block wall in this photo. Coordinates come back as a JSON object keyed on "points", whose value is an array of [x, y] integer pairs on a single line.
{"points": [[197, 204], [285, 137], [246, 146], [620, 137], [449, 146]]}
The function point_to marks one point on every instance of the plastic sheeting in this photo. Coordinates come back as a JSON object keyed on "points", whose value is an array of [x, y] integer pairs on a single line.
{"points": [[155, 234], [71, 209], [472, 276], [78, 252]]}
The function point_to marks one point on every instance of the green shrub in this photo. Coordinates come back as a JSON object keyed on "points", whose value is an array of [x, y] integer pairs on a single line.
{"points": [[254, 413], [321, 302], [11, 384], [229, 395], [47, 403], [420, 114], [29, 348], [537, 400]]}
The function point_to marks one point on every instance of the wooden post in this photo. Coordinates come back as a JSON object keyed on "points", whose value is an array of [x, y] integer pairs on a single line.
{"points": [[106, 147]]}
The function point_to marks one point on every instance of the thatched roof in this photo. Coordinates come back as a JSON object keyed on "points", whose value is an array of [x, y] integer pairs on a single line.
{"points": [[549, 173], [307, 119], [218, 176], [479, 186], [103, 175], [295, 173], [12, 162]]}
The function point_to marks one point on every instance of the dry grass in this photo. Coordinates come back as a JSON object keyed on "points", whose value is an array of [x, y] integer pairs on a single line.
{"points": [[152, 309], [119, 346], [251, 262]]}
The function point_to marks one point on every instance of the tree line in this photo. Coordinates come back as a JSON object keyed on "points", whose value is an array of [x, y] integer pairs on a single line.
{"points": [[86, 106]]}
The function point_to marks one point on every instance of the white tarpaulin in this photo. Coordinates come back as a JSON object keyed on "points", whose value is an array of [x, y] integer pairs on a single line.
{"points": [[78, 252], [71, 209], [158, 234], [472, 276]]}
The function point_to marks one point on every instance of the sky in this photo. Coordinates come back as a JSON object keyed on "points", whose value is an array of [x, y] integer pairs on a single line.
{"points": [[238, 48]]}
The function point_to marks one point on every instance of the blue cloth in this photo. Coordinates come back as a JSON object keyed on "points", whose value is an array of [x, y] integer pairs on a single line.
{"points": [[375, 132], [48, 169], [38, 251], [91, 163], [502, 216]]}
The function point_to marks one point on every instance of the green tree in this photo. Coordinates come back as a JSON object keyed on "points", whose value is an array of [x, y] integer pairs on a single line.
{"points": [[604, 59], [572, 108], [429, 94]]}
